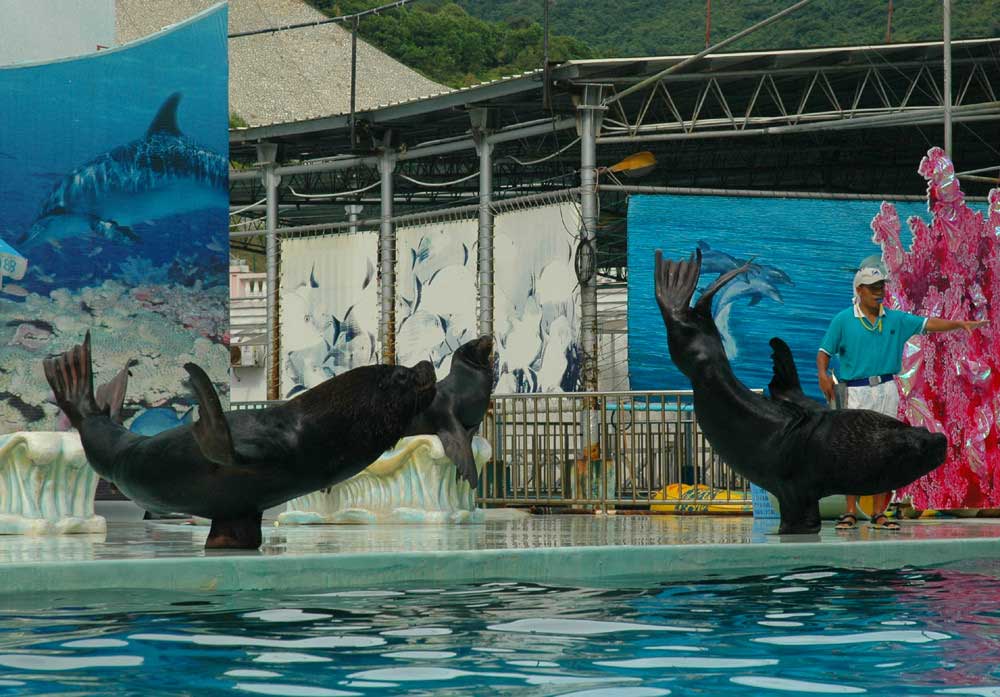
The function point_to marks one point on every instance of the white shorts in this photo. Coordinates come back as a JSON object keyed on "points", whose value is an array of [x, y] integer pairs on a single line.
{"points": [[882, 398]]}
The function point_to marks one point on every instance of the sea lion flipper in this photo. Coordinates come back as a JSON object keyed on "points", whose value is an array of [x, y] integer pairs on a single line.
{"points": [[111, 395], [235, 533], [72, 381], [785, 384], [785, 380], [211, 430], [675, 283], [458, 447]]}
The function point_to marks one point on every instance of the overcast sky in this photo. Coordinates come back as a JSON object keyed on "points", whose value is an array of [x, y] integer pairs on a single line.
{"points": [[41, 30]]}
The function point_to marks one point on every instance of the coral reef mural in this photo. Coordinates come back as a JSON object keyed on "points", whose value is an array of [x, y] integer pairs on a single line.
{"points": [[119, 209], [329, 307], [436, 300], [950, 382]]}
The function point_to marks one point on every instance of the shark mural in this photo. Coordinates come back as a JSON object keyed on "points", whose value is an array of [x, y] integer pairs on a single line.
{"points": [[162, 174], [114, 178]]}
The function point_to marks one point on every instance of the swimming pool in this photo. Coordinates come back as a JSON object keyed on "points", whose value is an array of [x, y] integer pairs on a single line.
{"points": [[816, 630]]}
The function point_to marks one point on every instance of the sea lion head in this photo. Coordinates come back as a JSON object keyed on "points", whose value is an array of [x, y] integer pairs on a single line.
{"points": [[380, 399], [477, 353], [412, 387]]}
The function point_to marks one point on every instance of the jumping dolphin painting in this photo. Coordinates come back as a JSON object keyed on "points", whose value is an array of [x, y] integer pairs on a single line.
{"points": [[163, 173]]}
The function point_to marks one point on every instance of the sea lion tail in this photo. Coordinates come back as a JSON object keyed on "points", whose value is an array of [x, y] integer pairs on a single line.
{"points": [[72, 381]]}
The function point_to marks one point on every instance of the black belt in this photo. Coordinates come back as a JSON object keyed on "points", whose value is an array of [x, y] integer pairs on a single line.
{"points": [[870, 382]]}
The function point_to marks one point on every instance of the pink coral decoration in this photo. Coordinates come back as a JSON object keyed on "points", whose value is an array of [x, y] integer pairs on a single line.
{"points": [[950, 382]]}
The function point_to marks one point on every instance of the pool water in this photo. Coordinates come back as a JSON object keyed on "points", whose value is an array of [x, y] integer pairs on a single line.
{"points": [[815, 631]]}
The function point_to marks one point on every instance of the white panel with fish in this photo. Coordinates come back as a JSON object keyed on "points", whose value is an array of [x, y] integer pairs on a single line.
{"points": [[328, 307], [537, 299], [436, 301]]}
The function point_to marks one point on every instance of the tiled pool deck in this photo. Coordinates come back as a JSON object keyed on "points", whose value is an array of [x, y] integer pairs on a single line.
{"points": [[561, 549]]}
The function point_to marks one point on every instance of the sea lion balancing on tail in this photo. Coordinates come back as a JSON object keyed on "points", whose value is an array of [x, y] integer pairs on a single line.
{"points": [[230, 467], [797, 451]]}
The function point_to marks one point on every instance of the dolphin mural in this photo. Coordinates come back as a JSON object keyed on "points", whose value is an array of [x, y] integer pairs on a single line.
{"points": [[756, 283], [163, 173]]}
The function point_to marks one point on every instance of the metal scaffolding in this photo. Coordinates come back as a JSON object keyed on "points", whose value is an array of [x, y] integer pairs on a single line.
{"points": [[838, 121]]}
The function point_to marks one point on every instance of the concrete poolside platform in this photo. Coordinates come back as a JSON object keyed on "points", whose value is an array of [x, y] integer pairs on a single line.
{"points": [[577, 550]]}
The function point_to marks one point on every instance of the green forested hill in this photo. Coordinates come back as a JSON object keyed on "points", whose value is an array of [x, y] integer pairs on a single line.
{"points": [[442, 41], [651, 27], [461, 42]]}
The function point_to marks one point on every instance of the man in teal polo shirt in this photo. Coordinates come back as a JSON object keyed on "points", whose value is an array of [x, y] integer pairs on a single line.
{"points": [[868, 340]]}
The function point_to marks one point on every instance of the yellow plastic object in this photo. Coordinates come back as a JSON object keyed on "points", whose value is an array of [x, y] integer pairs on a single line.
{"points": [[636, 165], [700, 498], [867, 505]]}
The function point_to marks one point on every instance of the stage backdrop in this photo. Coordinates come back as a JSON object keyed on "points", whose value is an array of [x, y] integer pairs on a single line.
{"points": [[807, 251], [436, 300], [537, 299], [114, 182], [329, 309]]}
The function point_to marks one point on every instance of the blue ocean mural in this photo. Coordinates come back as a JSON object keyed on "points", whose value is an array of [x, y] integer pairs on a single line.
{"points": [[114, 178], [805, 251]]}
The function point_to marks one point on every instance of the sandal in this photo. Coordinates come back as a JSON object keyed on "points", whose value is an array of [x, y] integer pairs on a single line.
{"points": [[882, 522], [846, 522]]}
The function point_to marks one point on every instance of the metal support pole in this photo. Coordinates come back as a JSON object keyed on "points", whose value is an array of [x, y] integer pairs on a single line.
{"points": [[266, 154], [708, 23], [354, 78], [588, 108], [546, 67], [947, 77], [387, 258], [485, 237], [586, 265], [353, 211]]}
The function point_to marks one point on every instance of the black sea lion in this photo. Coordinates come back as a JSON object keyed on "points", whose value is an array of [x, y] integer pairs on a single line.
{"points": [[231, 466], [790, 446], [459, 405]]}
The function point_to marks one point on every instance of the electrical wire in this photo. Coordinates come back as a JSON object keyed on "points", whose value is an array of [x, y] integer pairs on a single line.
{"points": [[334, 195], [430, 184]]}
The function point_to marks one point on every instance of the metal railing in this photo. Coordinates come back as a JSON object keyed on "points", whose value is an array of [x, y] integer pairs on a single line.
{"points": [[601, 450]]}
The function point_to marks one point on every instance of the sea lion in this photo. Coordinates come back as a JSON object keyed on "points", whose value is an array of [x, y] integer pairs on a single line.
{"points": [[459, 405], [230, 467], [798, 451]]}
